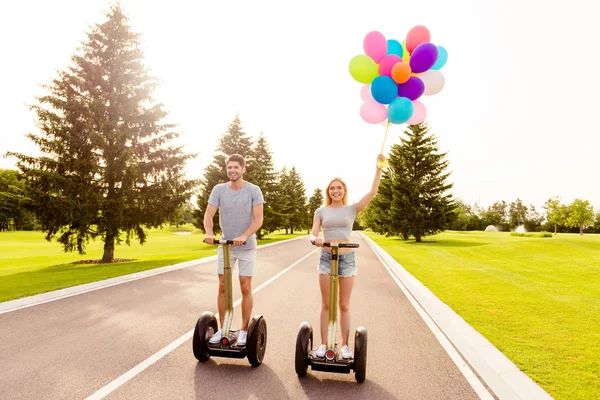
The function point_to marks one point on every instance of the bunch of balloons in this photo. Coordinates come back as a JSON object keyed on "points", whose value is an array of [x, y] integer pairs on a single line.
{"points": [[397, 74]]}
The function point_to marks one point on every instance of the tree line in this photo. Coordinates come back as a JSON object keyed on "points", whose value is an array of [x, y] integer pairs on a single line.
{"points": [[576, 217], [109, 170]]}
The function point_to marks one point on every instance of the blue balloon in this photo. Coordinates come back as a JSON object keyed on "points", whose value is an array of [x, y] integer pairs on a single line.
{"points": [[442, 58], [395, 47], [400, 110], [384, 89]]}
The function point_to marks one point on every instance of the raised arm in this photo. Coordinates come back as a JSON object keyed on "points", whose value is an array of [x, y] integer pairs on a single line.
{"points": [[364, 202]]}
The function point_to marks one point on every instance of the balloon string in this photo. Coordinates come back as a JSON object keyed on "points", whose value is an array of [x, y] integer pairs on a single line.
{"points": [[384, 137]]}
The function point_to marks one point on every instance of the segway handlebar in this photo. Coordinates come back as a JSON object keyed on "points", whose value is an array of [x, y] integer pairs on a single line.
{"points": [[340, 245], [221, 241]]}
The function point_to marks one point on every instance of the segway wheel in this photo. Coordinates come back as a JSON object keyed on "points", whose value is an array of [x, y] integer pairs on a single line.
{"points": [[257, 341], [304, 343], [205, 327], [360, 354]]}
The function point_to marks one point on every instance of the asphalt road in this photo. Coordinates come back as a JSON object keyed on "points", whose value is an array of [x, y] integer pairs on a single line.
{"points": [[133, 340]]}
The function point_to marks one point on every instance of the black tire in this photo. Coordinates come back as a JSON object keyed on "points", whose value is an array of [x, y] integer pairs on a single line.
{"points": [[256, 346], [205, 327], [360, 354], [304, 342]]}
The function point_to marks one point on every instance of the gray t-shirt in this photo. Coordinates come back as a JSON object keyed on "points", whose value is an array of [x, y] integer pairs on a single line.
{"points": [[337, 222], [235, 210]]}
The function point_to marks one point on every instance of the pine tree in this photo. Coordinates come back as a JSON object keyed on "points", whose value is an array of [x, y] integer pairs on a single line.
{"points": [[413, 198], [233, 141], [108, 166], [315, 201], [264, 175], [296, 191]]}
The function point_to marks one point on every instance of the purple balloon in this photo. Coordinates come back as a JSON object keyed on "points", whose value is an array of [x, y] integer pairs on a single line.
{"points": [[423, 57], [413, 88]]}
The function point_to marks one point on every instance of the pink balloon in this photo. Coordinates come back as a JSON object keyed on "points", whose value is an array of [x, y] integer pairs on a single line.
{"points": [[375, 45], [417, 35], [419, 113], [365, 93], [373, 112], [387, 63]]}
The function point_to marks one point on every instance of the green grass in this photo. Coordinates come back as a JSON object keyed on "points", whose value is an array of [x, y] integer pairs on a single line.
{"points": [[31, 265], [537, 301]]}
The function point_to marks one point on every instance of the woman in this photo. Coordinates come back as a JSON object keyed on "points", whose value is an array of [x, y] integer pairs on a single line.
{"points": [[337, 218]]}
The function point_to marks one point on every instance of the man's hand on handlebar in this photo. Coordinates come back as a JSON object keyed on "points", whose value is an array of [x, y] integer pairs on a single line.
{"points": [[240, 240]]}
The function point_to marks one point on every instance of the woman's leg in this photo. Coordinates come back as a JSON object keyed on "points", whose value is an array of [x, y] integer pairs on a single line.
{"points": [[346, 285], [324, 284]]}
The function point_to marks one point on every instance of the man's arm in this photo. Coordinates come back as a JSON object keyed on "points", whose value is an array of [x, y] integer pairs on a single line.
{"points": [[257, 221], [208, 223]]}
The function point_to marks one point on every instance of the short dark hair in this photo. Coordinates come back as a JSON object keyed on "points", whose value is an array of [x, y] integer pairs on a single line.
{"points": [[238, 158]]}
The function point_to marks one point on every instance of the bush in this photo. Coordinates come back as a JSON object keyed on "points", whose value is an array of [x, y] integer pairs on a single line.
{"points": [[532, 234]]}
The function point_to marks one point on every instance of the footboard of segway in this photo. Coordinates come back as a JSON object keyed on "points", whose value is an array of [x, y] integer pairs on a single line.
{"points": [[338, 364], [227, 347]]}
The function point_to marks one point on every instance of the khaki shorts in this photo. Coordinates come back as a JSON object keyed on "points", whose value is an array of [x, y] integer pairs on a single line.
{"points": [[246, 261]]}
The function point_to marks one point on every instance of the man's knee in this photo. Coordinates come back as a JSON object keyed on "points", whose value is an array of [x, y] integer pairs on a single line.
{"points": [[246, 285]]}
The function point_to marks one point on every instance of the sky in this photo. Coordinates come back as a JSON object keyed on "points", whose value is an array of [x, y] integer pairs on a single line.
{"points": [[517, 116]]}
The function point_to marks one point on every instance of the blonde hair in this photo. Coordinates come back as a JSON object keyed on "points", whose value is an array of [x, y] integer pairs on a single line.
{"points": [[328, 198]]}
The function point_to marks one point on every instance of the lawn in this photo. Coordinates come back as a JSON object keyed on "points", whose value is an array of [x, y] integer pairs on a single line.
{"points": [[537, 299], [30, 265]]}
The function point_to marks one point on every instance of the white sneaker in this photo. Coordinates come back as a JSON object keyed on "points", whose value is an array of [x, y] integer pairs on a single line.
{"points": [[216, 338], [321, 351], [346, 353], [241, 340]]}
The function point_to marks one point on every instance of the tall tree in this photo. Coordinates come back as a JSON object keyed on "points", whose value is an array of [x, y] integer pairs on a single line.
{"points": [[292, 200], [264, 175], [534, 219], [517, 212], [420, 202], [297, 194], [234, 141], [496, 214], [315, 201], [556, 213], [581, 215], [108, 166], [14, 213]]}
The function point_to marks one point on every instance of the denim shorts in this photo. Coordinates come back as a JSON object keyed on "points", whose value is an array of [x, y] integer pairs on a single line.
{"points": [[346, 264]]}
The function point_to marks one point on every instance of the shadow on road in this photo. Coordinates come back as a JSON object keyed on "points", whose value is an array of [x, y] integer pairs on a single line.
{"points": [[233, 381], [316, 388]]}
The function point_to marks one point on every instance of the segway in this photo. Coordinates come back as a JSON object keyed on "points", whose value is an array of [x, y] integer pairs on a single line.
{"points": [[207, 326], [333, 360]]}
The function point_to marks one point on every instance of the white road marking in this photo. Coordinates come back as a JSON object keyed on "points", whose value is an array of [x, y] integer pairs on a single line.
{"points": [[112, 386]]}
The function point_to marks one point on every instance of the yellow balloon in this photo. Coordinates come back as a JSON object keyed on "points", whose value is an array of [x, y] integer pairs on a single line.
{"points": [[363, 69], [404, 51]]}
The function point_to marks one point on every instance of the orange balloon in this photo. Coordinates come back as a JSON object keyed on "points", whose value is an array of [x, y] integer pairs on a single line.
{"points": [[401, 72]]}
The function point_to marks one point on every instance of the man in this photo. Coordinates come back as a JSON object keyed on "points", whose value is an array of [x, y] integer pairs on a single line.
{"points": [[240, 205]]}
